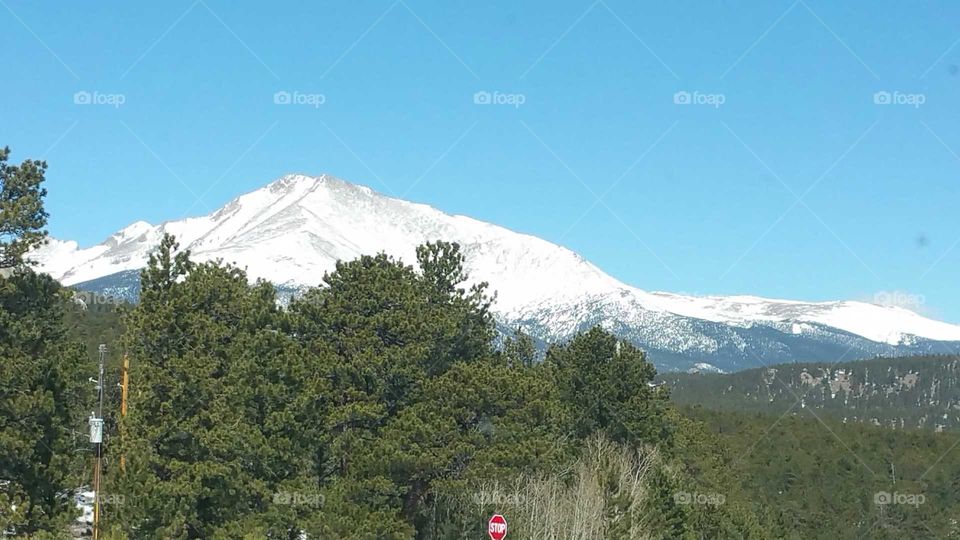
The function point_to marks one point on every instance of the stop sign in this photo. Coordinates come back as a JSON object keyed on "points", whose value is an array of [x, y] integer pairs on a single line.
{"points": [[497, 528]]}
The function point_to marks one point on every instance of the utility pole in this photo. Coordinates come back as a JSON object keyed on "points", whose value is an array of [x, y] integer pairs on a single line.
{"points": [[124, 389], [96, 438]]}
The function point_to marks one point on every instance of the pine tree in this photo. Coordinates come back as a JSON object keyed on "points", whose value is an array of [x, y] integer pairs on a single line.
{"points": [[520, 349], [42, 387], [22, 216], [218, 438], [41, 392], [605, 383], [42, 399]]}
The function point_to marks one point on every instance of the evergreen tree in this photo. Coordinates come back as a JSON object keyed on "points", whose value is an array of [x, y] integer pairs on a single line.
{"points": [[520, 349], [467, 331], [22, 216], [391, 329], [606, 385], [42, 387], [218, 438], [42, 399]]}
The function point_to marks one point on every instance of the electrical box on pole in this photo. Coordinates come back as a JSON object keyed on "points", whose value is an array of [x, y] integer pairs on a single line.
{"points": [[96, 429]]}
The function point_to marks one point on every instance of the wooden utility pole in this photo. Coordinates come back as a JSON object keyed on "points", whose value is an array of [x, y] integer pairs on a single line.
{"points": [[96, 500], [124, 389]]}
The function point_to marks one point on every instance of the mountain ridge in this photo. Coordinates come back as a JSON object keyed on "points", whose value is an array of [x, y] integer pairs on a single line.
{"points": [[294, 229]]}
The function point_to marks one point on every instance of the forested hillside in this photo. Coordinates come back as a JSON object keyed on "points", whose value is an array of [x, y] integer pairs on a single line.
{"points": [[820, 478], [916, 392]]}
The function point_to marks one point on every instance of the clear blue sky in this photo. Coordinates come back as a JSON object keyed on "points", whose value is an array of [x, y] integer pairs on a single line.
{"points": [[696, 198]]}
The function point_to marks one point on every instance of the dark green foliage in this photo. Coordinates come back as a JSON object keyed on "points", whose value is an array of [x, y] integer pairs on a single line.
{"points": [[605, 385], [520, 349], [219, 417], [42, 386], [816, 479], [94, 324], [22, 216], [43, 394], [918, 392], [441, 266], [417, 393]]}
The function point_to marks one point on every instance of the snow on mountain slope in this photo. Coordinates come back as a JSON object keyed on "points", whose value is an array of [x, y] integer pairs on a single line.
{"points": [[884, 324], [294, 229]]}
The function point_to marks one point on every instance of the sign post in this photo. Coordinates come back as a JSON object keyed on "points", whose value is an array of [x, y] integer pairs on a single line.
{"points": [[497, 527]]}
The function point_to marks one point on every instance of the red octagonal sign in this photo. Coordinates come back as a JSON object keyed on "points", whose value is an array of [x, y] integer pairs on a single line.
{"points": [[497, 528]]}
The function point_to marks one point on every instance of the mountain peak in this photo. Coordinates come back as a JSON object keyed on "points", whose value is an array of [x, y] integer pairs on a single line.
{"points": [[303, 185], [290, 181]]}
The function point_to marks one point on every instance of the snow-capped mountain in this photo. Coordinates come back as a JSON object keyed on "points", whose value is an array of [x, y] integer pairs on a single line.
{"points": [[295, 229]]}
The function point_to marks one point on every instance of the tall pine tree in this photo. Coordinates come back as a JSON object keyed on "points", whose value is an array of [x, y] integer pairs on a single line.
{"points": [[42, 388], [218, 438]]}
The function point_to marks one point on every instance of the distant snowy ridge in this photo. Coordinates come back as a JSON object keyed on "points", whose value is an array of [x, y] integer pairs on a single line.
{"points": [[294, 229]]}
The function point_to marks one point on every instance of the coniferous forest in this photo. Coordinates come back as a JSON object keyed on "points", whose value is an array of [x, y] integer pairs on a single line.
{"points": [[380, 404], [898, 393]]}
